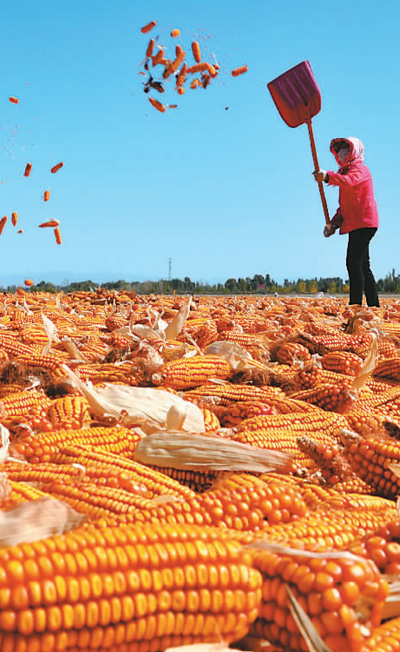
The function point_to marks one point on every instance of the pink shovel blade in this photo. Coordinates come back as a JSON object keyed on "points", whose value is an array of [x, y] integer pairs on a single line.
{"points": [[296, 95]]}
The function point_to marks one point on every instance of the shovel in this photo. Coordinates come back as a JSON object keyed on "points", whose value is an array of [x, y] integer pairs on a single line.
{"points": [[298, 99]]}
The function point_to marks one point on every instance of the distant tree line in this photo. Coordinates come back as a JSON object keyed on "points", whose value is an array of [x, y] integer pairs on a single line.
{"points": [[259, 283]]}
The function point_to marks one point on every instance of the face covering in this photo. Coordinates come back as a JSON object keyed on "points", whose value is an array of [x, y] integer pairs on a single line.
{"points": [[343, 154]]}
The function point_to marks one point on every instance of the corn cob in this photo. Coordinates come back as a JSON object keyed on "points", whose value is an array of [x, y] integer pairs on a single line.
{"points": [[42, 473], [11, 388], [231, 415], [227, 393], [385, 638], [192, 372], [253, 344], [332, 465], [291, 353], [43, 446], [388, 368], [73, 587], [69, 413], [250, 505], [342, 595], [22, 492], [98, 501], [17, 404], [280, 432], [329, 397], [211, 421], [370, 459], [343, 362], [197, 481], [133, 473], [382, 547], [115, 321]]}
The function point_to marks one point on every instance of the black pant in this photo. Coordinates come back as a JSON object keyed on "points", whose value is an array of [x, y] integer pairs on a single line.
{"points": [[361, 278]]}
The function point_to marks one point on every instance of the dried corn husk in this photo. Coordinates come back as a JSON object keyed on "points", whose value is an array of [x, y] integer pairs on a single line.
{"points": [[303, 622], [51, 332], [369, 365], [144, 406], [35, 520], [175, 326], [5, 443], [180, 450]]}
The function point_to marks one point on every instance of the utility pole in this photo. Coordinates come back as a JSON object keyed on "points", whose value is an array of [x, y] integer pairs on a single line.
{"points": [[169, 268]]}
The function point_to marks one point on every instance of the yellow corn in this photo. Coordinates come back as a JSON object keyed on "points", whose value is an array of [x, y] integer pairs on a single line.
{"points": [[192, 372]]}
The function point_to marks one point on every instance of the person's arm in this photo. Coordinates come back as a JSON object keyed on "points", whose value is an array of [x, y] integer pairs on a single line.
{"points": [[352, 178]]}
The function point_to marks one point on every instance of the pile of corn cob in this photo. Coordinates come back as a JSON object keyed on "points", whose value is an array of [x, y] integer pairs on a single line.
{"points": [[168, 553]]}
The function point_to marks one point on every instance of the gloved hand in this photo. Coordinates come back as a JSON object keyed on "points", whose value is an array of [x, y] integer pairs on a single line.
{"points": [[320, 175], [328, 231]]}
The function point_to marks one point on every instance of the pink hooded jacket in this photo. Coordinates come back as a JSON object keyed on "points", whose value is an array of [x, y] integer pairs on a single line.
{"points": [[357, 205]]}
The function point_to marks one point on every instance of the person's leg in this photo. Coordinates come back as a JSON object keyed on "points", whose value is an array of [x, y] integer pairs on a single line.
{"points": [[357, 263], [354, 263], [370, 290]]}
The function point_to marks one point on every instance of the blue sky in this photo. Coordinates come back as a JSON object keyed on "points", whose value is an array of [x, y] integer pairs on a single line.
{"points": [[220, 185]]}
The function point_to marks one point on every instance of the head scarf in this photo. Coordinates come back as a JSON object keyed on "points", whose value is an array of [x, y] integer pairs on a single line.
{"points": [[356, 151]]}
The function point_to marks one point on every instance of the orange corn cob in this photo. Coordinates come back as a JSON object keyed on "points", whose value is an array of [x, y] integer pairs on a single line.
{"points": [[150, 48], [42, 473], [248, 341], [370, 459], [291, 352], [57, 235], [226, 394], [3, 222], [132, 473], [231, 415], [49, 223], [28, 169], [148, 27], [191, 372], [196, 51], [198, 67], [17, 403], [195, 83], [46, 195], [175, 32], [239, 71], [157, 58], [43, 446], [280, 432], [99, 501], [328, 397], [14, 100], [14, 218], [175, 64], [383, 547], [333, 466], [343, 362], [69, 413], [57, 167], [157, 105], [385, 638], [388, 368], [180, 80], [250, 505], [141, 584], [22, 492], [343, 597]]}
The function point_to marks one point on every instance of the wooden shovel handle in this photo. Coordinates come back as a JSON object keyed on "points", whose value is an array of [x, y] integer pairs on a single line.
{"points": [[316, 165]]}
